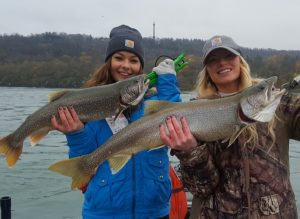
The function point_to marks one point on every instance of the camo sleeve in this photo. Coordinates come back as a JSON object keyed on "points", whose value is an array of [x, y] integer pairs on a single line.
{"points": [[290, 109], [199, 174]]}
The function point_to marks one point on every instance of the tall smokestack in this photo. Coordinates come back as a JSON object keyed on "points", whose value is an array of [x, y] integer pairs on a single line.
{"points": [[153, 30]]}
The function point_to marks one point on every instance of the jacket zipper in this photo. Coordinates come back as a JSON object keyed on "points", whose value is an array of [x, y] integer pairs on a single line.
{"points": [[133, 187]]}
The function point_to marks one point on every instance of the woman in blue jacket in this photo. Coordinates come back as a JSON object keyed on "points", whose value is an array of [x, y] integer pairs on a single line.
{"points": [[142, 188]]}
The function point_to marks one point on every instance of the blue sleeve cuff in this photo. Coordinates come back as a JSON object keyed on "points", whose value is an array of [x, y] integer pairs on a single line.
{"points": [[81, 142], [77, 137], [167, 88]]}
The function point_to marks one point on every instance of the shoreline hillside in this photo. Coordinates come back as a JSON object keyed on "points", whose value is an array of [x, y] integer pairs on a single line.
{"points": [[59, 60]]}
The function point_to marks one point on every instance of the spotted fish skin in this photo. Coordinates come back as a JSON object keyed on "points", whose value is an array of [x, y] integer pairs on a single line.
{"points": [[91, 104]]}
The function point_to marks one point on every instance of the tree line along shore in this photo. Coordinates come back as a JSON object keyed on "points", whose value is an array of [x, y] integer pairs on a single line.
{"points": [[59, 60]]}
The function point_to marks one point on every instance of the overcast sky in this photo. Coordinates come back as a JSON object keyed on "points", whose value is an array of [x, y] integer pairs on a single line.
{"points": [[251, 23]]}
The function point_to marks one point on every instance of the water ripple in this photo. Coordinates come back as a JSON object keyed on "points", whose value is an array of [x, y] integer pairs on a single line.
{"points": [[29, 182]]}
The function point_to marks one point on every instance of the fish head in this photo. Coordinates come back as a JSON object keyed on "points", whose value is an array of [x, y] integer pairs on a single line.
{"points": [[259, 102], [133, 93]]}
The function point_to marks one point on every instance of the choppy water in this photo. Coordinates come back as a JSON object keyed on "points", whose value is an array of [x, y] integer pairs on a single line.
{"points": [[38, 193]]}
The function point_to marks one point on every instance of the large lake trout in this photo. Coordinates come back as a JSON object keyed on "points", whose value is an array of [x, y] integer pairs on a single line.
{"points": [[209, 120], [93, 103]]}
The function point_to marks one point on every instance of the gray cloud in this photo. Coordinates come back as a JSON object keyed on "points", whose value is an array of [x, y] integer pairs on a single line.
{"points": [[255, 24]]}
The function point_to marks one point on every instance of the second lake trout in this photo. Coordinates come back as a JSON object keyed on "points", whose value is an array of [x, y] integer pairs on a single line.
{"points": [[209, 120]]}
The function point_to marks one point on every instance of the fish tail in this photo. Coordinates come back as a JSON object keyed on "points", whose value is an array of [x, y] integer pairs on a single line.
{"points": [[37, 136], [72, 168], [11, 152]]}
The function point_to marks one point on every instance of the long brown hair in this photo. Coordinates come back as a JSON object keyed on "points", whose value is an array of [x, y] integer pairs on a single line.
{"points": [[103, 75]]}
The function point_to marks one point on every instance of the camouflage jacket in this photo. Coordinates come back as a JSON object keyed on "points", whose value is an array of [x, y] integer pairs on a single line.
{"points": [[243, 180]]}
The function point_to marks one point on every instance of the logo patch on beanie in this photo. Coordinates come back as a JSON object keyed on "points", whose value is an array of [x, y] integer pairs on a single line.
{"points": [[216, 41], [129, 43]]}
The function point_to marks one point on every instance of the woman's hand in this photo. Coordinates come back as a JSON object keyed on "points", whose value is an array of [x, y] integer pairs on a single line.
{"points": [[165, 67], [69, 120], [179, 136]]}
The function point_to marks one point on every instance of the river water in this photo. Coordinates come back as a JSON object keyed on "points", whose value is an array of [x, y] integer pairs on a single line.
{"points": [[38, 193]]}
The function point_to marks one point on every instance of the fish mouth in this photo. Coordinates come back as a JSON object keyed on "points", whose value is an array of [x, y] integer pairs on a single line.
{"points": [[146, 84], [243, 118], [267, 113], [142, 87], [132, 94], [261, 106]]}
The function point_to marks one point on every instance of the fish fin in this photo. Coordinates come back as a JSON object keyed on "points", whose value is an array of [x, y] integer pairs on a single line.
{"points": [[119, 112], [153, 106], [151, 92], [236, 134], [36, 136], [12, 153], [71, 168], [116, 163], [56, 95], [225, 140], [161, 146]]}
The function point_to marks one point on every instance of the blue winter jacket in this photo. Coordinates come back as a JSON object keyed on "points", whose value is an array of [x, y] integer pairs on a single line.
{"points": [[142, 188]]}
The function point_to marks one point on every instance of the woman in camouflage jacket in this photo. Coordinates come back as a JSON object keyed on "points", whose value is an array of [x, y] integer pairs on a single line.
{"points": [[249, 179]]}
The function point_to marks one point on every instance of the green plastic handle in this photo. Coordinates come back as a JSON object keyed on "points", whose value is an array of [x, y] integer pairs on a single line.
{"points": [[179, 63]]}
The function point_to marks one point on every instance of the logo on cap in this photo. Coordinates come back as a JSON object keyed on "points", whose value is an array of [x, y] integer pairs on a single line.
{"points": [[216, 41], [129, 43]]}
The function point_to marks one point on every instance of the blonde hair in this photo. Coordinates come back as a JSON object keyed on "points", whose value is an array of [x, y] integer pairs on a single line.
{"points": [[103, 75], [206, 88]]}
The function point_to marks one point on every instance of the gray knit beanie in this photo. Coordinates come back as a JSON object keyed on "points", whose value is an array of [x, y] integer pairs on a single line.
{"points": [[125, 38]]}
